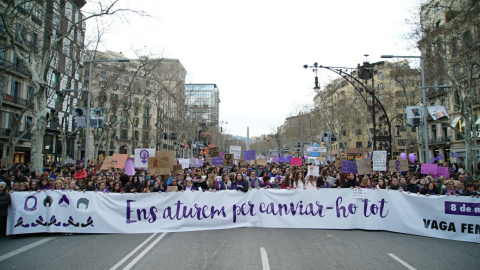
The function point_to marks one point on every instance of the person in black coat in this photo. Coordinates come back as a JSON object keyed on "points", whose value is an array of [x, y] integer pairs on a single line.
{"points": [[5, 201]]}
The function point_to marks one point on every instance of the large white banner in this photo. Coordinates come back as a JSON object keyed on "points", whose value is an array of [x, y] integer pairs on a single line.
{"points": [[446, 217], [142, 155]]}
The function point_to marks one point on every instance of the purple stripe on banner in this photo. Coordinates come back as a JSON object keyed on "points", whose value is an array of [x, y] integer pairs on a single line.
{"points": [[462, 208]]}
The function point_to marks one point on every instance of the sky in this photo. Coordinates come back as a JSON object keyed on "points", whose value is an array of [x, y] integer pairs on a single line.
{"points": [[255, 50]]}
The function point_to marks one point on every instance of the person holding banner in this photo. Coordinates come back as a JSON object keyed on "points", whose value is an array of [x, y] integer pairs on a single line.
{"points": [[239, 183], [351, 181], [450, 189], [5, 201], [299, 181], [189, 185], [287, 182], [429, 190], [253, 181], [222, 185]]}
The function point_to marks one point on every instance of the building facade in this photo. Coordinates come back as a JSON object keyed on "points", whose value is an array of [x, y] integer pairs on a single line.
{"points": [[138, 99], [31, 26]]}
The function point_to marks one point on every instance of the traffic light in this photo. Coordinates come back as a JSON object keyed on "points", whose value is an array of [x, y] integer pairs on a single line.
{"points": [[164, 136], [297, 144], [268, 139]]}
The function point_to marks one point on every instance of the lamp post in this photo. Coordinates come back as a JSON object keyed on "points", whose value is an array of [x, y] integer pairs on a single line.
{"points": [[424, 99], [89, 93]]}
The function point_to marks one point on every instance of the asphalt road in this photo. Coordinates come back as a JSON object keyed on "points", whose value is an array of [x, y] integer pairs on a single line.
{"points": [[241, 248]]}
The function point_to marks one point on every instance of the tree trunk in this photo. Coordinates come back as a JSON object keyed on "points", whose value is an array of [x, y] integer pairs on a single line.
{"points": [[38, 134]]}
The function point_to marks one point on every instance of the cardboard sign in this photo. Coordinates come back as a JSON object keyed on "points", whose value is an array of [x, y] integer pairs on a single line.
{"points": [[349, 167], [249, 155], [400, 165], [177, 169], [119, 160], [214, 151], [170, 155], [429, 168], [172, 189], [379, 161], [98, 167], [262, 162], [159, 165], [228, 160], [236, 151], [217, 161], [364, 166], [242, 162], [69, 161], [315, 171], [296, 161], [107, 164]]}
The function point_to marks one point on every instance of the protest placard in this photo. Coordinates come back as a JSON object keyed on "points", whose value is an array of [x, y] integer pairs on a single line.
{"points": [[296, 161], [349, 166], [157, 166], [142, 155], [442, 171], [364, 166], [315, 171], [262, 161], [228, 160], [242, 162], [107, 164], [177, 169], [167, 154], [399, 165], [236, 151], [217, 161], [249, 155], [214, 151], [193, 162], [429, 168], [172, 189], [379, 161], [101, 157]]}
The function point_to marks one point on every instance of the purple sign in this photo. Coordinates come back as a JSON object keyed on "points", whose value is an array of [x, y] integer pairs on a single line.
{"points": [[349, 166], [462, 208], [429, 168], [288, 158], [200, 162], [217, 160], [249, 155], [282, 159], [276, 160], [442, 171]]}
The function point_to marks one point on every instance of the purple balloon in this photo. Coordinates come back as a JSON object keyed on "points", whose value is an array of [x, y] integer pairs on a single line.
{"points": [[412, 157], [403, 155], [305, 157]]}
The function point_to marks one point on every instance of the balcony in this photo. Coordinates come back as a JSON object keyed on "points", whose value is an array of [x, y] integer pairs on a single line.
{"points": [[15, 100], [439, 140], [147, 127]]}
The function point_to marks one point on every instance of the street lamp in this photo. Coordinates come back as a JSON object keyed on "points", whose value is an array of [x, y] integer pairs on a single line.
{"points": [[424, 99], [89, 93]]}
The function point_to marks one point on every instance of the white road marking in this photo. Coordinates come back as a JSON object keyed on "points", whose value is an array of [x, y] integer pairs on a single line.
{"points": [[408, 266], [265, 264], [145, 251], [133, 252], [25, 248]]}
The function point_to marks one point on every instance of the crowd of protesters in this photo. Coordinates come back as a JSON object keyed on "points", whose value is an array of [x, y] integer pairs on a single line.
{"points": [[19, 178]]}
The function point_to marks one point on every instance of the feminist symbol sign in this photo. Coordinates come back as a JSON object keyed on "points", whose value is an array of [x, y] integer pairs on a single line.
{"points": [[144, 154], [397, 165]]}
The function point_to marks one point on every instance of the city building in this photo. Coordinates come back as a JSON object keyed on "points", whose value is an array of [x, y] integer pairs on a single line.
{"points": [[450, 44], [139, 100], [32, 25]]}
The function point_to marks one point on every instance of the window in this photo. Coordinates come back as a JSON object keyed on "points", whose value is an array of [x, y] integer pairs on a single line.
{"points": [[399, 94], [145, 136], [137, 137], [437, 24], [2, 83], [103, 74], [114, 97], [381, 97], [102, 84], [146, 112], [124, 134], [412, 94], [115, 87], [359, 144], [135, 122], [3, 55], [380, 75], [466, 39], [146, 122], [15, 89], [358, 132], [135, 110], [381, 86], [113, 134], [400, 105], [125, 88], [126, 79]]}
